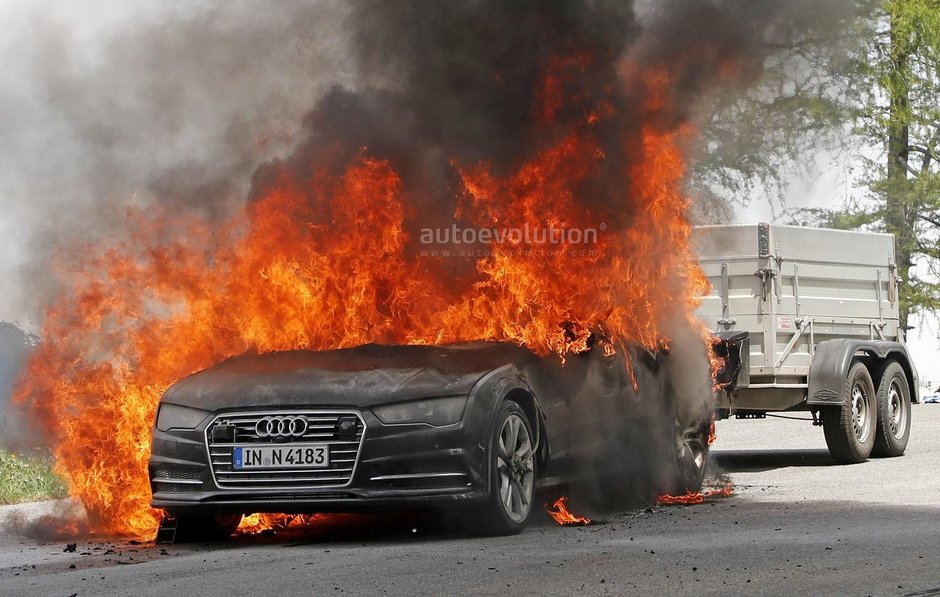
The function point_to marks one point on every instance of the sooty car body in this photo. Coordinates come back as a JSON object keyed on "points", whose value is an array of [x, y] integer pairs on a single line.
{"points": [[473, 427]]}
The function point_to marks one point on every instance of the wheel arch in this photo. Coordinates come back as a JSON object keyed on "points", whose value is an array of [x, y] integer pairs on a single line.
{"points": [[526, 400], [514, 390], [508, 383], [500, 390], [530, 406], [833, 359]]}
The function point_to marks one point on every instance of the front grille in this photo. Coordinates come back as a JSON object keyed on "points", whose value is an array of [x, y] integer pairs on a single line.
{"points": [[321, 429], [175, 473], [176, 480], [306, 496], [171, 488]]}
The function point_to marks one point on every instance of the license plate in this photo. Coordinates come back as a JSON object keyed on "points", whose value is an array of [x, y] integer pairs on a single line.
{"points": [[287, 456]]}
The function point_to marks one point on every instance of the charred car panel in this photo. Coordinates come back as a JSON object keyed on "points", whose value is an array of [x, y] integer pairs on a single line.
{"points": [[426, 421]]}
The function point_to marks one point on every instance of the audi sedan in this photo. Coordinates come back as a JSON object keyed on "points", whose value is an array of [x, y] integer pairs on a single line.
{"points": [[472, 429]]}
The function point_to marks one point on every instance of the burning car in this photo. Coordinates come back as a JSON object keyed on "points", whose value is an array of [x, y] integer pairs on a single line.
{"points": [[556, 138], [472, 428]]}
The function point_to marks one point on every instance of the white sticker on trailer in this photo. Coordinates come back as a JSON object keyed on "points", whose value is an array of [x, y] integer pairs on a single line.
{"points": [[784, 323]]}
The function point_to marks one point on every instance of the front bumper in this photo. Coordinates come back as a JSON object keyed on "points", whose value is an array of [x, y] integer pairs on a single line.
{"points": [[398, 467]]}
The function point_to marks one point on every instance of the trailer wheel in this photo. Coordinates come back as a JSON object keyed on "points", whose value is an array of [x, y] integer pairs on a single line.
{"points": [[850, 430], [893, 411]]}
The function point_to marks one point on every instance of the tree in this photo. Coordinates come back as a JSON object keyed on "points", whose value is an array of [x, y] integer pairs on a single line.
{"points": [[905, 118], [865, 81], [758, 137], [896, 113]]}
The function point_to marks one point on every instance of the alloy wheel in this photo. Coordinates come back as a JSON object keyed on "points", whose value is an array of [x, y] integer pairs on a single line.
{"points": [[691, 451], [515, 468]]}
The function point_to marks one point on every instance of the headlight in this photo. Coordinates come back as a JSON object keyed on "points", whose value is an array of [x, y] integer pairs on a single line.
{"points": [[173, 416], [436, 411]]}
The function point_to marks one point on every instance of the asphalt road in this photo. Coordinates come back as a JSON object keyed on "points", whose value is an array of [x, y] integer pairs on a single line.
{"points": [[797, 524]]}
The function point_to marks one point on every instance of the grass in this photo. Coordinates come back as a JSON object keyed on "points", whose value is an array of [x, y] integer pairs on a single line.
{"points": [[28, 478]]}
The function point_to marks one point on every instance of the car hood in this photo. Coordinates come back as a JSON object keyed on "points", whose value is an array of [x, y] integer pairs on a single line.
{"points": [[364, 376]]}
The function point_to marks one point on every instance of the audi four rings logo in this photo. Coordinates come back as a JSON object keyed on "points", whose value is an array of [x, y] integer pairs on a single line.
{"points": [[281, 427]]}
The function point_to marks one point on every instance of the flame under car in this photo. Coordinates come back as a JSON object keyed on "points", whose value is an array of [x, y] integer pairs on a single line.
{"points": [[472, 428]]}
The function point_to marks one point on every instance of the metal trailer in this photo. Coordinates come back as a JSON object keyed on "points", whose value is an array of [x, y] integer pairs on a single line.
{"points": [[807, 320]]}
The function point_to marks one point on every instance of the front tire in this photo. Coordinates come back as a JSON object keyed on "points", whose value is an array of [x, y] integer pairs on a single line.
{"points": [[690, 455], [850, 430], [512, 469], [894, 412]]}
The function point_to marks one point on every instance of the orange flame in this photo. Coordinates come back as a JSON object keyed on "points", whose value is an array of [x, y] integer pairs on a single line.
{"points": [[695, 497], [563, 517], [254, 524], [324, 261]]}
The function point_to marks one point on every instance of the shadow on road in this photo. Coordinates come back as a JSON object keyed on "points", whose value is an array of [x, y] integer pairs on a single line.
{"points": [[764, 460]]}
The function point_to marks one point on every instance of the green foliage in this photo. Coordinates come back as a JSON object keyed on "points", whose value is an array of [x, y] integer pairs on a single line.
{"points": [[759, 136], [849, 218], [902, 116], [868, 82], [27, 478]]}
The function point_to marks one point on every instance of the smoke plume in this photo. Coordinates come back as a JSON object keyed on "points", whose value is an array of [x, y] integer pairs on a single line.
{"points": [[108, 105]]}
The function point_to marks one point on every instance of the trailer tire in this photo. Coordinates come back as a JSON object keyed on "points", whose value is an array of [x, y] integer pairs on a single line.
{"points": [[894, 412], [850, 430]]}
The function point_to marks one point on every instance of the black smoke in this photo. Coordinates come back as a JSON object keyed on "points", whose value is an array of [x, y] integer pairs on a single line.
{"points": [[445, 82]]}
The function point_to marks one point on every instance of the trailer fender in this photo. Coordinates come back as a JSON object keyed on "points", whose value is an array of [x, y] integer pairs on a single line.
{"points": [[832, 359], [733, 348]]}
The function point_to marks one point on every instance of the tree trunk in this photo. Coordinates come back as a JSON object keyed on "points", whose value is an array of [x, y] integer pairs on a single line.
{"points": [[900, 215]]}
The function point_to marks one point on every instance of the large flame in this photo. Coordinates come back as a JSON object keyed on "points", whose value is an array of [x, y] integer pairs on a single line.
{"points": [[179, 293], [254, 524]]}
